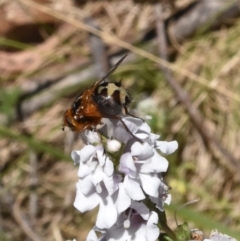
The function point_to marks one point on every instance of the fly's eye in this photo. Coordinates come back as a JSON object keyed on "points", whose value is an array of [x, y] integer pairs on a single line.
{"points": [[127, 100], [77, 103], [118, 84], [102, 90]]}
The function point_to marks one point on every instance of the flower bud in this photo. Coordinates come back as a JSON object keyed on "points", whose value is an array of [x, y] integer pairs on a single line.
{"points": [[126, 223], [113, 145]]}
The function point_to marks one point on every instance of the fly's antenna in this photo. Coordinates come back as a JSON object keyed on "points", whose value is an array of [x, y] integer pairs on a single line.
{"points": [[120, 82], [110, 71]]}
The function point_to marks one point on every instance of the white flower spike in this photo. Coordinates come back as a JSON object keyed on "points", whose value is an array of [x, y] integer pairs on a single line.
{"points": [[119, 174]]}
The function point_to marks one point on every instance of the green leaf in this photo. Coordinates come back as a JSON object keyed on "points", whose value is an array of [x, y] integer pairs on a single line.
{"points": [[182, 232], [202, 221]]}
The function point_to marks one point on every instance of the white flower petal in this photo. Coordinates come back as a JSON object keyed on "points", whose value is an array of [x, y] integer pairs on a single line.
{"points": [[75, 155], [152, 231], [107, 214], [167, 147], [110, 184], [159, 202], [156, 164], [85, 203], [145, 127], [107, 128], [133, 189], [131, 126], [108, 168], [153, 218], [127, 165], [85, 185], [141, 151], [138, 231], [154, 137], [122, 135], [141, 209], [117, 232], [84, 154], [92, 236], [97, 175], [168, 199], [120, 132], [142, 136], [136, 121], [90, 137], [101, 156], [86, 168], [150, 183], [123, 200], [117, 178]]}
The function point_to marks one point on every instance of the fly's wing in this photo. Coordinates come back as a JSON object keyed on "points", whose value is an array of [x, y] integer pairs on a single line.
{"points": [[110, 71]]}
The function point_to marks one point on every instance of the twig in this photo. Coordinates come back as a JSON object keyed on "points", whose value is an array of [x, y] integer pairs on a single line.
{"points": [[229, 162], [98, 50], [22, 221], [33, 207], [202, 15]]}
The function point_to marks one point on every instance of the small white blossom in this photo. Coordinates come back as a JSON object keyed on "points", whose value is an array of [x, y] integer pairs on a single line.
{"points": [[96, 185], [215, 235], [123, 200], [136, 227], [90, 137], [141, 163], [163, 196], [167, 147]]}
